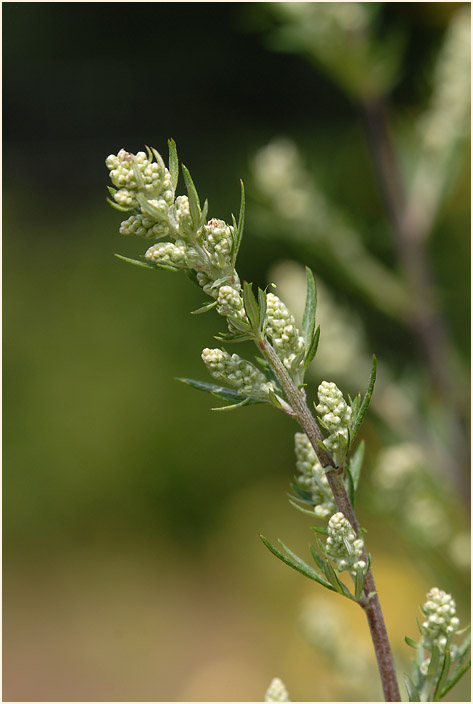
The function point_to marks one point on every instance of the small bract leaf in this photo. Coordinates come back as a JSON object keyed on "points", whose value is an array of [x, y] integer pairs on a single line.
{"points": [[411, 642], [414, 695], [173, 163], [251, 306], [308, 318], [137, 262], [194, 202], [366, 401], [356, 464]]}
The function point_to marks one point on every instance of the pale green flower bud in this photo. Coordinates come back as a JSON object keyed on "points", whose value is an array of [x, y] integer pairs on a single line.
{"points": [[439, 611], [335, 414], [169, 254], [312, 477], [182, 216], [236, 371], [133, 174], [143, 226], [281, 328], [276, 692], [218, 242], [230, 302], [342, 545]]}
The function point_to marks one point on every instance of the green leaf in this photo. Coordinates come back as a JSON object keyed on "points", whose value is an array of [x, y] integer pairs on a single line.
{"points": [[312, 351], [262, 304], [366, 401], [302, 510], [245, 402], [173, 163], [457, 675], [239, 324], [308, 318], [251, 306], [359, 584], [443, 676], [121, 208], [434, 661], [143, 264], [194, 202], [206, 307], [238, 234], [219, 391], [297, 564], [349, 485], [317, 559], [275, 401], [323, 530], [332, 577], [411, 642], [356, 464], [414, 695]]}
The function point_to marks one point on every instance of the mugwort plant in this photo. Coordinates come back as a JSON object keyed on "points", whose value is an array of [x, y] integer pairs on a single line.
{"points": [[327, 461]]}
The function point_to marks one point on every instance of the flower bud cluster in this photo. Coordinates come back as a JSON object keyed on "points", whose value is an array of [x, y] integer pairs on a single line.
{"points": [[138, 174], [312, 477], [276, 692], [144, 226], [236, 371], [230, 301], [218, 242], [343, 547], [281, 328], [176, 255], [334, 412], [439, 611]]}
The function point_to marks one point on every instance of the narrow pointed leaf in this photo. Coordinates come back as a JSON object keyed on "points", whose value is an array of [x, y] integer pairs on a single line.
{"points": [[239, 324], [356, 464], [143, 264], [457, 675], [173, 163], [245, 402], [241, 223], [219, 391], [434, 661], [312, 351], [204, 308], [411, 642], [359, 584], [323, 530], [349, 485], [332, 577], [299, 566], [262, 308], [366, 401], [308, 318], [317, 559], [302, 510], [443, 675], [251, 306], [121, 208], [194, 202], [414, 695]]}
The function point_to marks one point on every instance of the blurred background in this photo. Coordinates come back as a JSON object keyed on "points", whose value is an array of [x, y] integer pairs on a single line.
{"points": [[133, 569]]}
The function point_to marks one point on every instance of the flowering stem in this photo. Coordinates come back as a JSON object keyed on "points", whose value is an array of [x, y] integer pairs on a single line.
{"points": [[370, 604]]}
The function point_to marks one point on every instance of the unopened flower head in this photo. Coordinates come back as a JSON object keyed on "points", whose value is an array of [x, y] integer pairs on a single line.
{"points": [[218, 242], [440, 620], [343, 547], [236, 371], [176, 255], [312, 477], [276, 692], [281, 328], [143, 226], [334, 412], [139, 174], [230, 301]]}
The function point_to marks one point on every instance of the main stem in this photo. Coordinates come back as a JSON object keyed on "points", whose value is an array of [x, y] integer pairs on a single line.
{"points": [[370, 603]]}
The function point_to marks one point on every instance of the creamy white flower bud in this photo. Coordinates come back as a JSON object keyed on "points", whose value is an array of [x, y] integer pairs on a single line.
{"points": [[230, 302], [133, 174], [276, 692], [334, 413], [237, 372], [281, 328], [342, 545], [143, 226], [170, 254], [439, 610], [217, 242], [312, 477]]}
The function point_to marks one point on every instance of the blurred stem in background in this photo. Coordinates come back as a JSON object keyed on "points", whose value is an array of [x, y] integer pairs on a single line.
{"points": [[346, 42]]}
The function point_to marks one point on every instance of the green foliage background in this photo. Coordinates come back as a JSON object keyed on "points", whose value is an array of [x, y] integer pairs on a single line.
{"points": [[132, 564]]}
